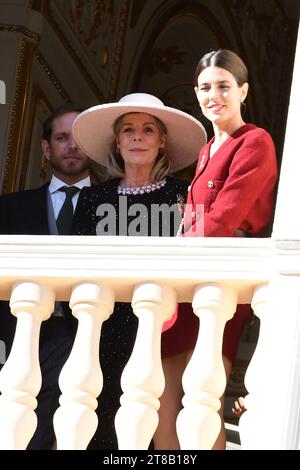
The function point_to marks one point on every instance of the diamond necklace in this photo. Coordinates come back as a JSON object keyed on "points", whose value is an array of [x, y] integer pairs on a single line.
{"points": [[124, 190]]}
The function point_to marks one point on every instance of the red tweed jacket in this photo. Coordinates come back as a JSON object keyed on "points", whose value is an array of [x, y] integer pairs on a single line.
{"points": [[235, 187]]}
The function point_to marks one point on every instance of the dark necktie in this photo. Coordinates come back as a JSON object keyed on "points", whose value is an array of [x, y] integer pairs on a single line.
{"points": [[65, 216]]}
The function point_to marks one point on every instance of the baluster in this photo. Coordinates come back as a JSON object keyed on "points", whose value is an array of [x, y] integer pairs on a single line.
{"points": [[204, 380], [256, 372], [81, 380], [20, 377], [142, 379]]}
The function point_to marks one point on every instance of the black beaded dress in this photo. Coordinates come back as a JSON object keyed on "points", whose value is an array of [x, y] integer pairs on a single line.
{"points": [[102, 211]]}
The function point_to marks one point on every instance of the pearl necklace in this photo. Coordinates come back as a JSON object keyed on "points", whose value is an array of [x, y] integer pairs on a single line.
{"points": [[126, 190]]}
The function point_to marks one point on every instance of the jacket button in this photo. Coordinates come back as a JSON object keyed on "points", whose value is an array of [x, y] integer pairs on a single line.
{"points": [[210, 184]]}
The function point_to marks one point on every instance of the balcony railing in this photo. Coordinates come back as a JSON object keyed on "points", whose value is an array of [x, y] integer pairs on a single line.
{"points": [[154, 273]]}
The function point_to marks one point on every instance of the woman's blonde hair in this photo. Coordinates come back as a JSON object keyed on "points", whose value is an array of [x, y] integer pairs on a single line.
{"points": [[115, 166]]}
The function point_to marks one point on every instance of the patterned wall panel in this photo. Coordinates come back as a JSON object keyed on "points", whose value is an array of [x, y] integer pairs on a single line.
{"points": [[93, 33]]}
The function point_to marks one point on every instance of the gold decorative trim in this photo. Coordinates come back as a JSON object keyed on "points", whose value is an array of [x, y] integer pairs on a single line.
{"points": [[18, 115], [72, 52], [14, 28], [117, 53], [49, 72], [37, 95]]}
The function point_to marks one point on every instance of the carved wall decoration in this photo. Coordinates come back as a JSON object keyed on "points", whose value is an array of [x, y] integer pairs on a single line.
{"points": [[90, 19], [93, 32], [52, 76], [118, 49], [164, 59], [12, 28]]}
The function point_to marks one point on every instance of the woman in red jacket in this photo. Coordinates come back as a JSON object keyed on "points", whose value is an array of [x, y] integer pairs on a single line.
{"points": [[234, 183]]}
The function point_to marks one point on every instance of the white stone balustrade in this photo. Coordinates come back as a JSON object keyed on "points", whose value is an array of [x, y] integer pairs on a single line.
{"points": [[256, 371], [91, 271], [81, 381], [142, 379], [20, 379], [204, 379]]}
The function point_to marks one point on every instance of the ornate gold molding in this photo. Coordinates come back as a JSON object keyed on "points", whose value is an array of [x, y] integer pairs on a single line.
{"points": [[14, 28], [52, 77], [118, 50], [89, 31], [117, 22], [18, 115], [37, 96], [72, 52]]}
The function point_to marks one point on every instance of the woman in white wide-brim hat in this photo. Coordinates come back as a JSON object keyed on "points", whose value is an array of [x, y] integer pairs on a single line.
{"points": [[140, 141], [95, 129]]}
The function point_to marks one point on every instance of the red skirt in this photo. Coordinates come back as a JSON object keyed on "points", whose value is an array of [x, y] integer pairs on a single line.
{"points": [[182, 336]]}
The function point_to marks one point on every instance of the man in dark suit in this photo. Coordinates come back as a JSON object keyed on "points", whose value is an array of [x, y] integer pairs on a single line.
{"points": [[38, 212]]}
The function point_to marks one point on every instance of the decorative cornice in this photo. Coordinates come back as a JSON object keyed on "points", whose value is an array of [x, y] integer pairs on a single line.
{"points": [[14, 28]]}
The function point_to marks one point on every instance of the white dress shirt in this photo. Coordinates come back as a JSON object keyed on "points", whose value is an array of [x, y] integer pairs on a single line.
{"points": [[58, 197]]}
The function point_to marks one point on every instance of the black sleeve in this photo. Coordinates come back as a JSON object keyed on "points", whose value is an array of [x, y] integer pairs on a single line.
{"points": [[4, 220]]}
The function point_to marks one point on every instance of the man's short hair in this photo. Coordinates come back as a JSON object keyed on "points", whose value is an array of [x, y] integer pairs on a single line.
{"points": [[60, 111]]}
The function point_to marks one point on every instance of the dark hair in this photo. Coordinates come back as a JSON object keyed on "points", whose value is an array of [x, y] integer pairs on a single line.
{"points": [[224, 59], [60, 111]]}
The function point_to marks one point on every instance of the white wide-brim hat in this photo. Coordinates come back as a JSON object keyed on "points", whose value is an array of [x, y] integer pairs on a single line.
{"points": [[93, 129]]}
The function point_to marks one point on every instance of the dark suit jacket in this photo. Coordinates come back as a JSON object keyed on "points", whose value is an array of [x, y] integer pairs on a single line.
{"points": [[25, 213]]}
